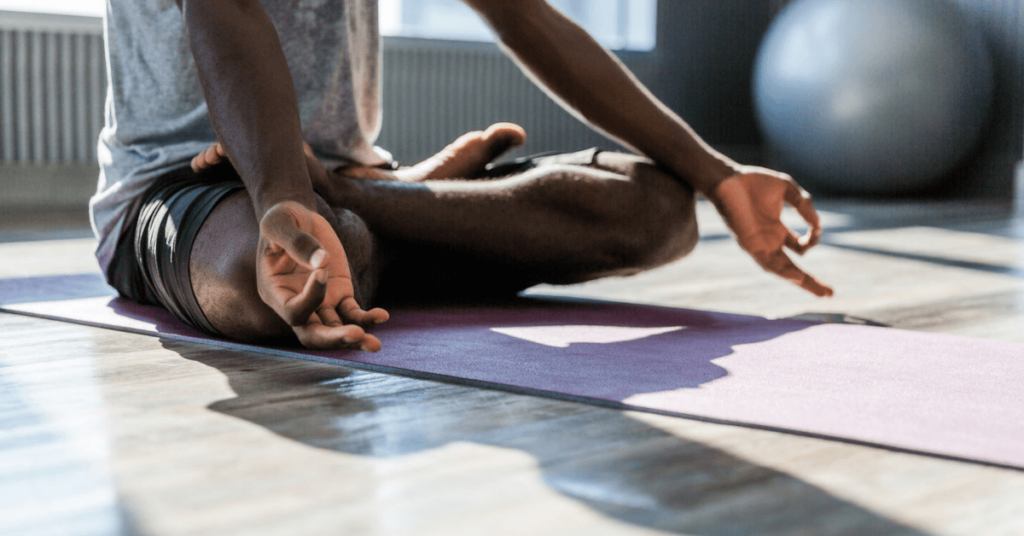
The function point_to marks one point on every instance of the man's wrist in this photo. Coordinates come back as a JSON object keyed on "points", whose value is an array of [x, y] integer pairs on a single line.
{"points": [[706, 173], [265, 199]]}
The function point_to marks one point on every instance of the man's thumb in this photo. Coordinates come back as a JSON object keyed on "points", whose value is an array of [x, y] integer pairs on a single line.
{"points": [[280, 227]]}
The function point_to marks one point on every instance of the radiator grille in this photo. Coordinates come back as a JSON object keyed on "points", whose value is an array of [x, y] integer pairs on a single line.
{"points": [[52, 87], [433, 92]]}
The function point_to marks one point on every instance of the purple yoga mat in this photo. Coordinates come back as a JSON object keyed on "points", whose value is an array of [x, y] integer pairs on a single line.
{"points": [[936, 394]]}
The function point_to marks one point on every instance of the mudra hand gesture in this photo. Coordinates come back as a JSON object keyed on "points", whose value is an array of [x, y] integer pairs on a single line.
{"points": [[302, 273], [751, 203]]}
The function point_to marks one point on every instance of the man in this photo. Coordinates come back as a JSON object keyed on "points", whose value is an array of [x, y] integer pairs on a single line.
{"points": [[264, 237]]}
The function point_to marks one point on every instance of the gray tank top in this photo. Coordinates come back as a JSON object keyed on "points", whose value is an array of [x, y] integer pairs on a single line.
{"points": [[156, 117]]}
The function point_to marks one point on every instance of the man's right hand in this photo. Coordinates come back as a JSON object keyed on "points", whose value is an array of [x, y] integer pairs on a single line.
{"points": [[302, 273]]}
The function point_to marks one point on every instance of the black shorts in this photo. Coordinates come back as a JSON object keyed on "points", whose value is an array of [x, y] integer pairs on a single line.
{"points": [[587, 157], [151, 262]]}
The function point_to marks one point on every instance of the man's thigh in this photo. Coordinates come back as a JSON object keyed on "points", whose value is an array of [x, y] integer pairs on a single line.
{"points": [[427, 272]]}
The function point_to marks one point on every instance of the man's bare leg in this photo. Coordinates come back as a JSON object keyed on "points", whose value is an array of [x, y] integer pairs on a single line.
{"points": [[462, 158], [556, 224], [222, 260], [222, 267], [442, 238]]}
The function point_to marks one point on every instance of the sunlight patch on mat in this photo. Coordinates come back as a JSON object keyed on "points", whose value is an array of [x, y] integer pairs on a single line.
{"points": [[90, 311], [563, 336]]}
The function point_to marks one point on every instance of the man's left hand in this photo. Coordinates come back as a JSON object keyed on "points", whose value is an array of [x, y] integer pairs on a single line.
{"points": [[751, 203]]}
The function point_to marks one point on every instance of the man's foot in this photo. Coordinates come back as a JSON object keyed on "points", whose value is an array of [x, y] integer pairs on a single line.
{"points": [[467, 156]]}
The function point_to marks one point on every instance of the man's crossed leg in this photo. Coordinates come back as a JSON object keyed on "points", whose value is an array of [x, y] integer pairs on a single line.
{"points": [[438, 230]]}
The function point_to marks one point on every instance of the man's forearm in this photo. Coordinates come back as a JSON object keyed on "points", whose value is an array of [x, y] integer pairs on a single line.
{"points": [[251, 98], [593, 84]]}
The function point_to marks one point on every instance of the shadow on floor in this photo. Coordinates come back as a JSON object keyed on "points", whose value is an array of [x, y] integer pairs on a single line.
{"points": [[614, 464]]}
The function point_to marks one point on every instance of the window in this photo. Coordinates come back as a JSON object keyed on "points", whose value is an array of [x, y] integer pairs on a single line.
{"points": [[91, 8], [617, 24]]}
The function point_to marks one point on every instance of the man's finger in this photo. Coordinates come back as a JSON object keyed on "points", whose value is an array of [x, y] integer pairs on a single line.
{"points": [[329, 316], [801, 245], [781, 265], [811, 239], [812, 285], [280, 228], [350, 311], [816, 287], [799, 199], [370, 344], [793, 243], [300, 307], [211, 156], [378, 315], [321, 337]]}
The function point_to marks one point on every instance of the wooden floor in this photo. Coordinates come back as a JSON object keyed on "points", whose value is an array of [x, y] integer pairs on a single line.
{"points": [[112, 433]]}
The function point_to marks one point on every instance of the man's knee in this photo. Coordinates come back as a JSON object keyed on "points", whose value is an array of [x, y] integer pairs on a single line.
{"points": [[232, 304], [223, 269], [223, 274], [361, 249], [658, 224]]}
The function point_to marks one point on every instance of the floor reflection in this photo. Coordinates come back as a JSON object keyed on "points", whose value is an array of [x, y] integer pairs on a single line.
{"points": [[612, 463], [54, 472]]}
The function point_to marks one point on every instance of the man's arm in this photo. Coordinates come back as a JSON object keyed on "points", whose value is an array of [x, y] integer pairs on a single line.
{"points": [[251, 98], [301, 266], [593, 84]]}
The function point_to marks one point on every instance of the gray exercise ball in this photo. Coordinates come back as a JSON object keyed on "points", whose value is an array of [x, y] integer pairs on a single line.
{"points": [[872, 96]]}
